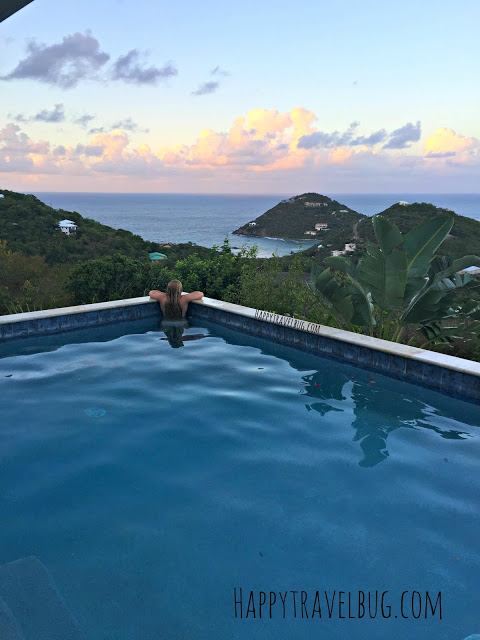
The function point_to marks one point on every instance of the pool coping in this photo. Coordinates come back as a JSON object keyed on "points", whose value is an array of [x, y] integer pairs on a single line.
{"points": [[455, 376]]}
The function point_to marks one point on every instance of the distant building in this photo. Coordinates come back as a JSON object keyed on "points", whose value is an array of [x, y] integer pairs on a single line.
{"points": [[154, 256], [337, 252], [1, 195], [252, 224], [350, 247], [343, 211], [473, 271], [316, 204], [321, 226], [310, 233], [320, 246], [403, 203], [68, 227]]}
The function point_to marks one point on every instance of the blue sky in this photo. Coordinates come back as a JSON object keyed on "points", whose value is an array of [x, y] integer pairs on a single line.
{"points": [[215, 97]]}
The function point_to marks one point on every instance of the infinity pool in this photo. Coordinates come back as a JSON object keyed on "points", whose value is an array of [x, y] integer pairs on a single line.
{"points": [[155, 482]]}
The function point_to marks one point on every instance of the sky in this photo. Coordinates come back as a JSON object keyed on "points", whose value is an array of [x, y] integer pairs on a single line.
{"points": [[253, 97]]}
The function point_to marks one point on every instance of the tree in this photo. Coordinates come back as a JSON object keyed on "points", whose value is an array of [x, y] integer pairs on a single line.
{"points": [[111, 278], [400, 289]]}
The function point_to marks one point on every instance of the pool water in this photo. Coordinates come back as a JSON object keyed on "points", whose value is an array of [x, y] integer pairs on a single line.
{"points": [[152, 481]]}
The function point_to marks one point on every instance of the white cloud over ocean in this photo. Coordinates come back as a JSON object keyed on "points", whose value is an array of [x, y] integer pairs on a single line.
{"points": [[264, 147]]}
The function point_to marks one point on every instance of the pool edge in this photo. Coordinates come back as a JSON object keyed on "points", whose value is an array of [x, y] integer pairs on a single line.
{"points": [[454, 376]]}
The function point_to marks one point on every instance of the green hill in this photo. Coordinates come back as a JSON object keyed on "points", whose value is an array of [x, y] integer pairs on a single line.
{"points": [[291, 218], [464, 239], [288, 217], [31, 227], [37, 260]]}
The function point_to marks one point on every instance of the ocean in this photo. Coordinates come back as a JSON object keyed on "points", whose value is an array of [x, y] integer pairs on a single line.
{"points": [[207, 219]]}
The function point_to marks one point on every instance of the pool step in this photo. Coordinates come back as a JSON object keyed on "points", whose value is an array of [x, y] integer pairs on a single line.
{"points": [[30, 606]]}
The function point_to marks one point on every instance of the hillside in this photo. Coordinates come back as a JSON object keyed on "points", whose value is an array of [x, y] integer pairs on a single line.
{"points": [[291, 218], [30, 227], [464, 238], [37, 260]]}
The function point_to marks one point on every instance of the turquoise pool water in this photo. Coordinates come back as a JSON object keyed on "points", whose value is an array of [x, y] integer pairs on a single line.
{"points": [[153, 481]]}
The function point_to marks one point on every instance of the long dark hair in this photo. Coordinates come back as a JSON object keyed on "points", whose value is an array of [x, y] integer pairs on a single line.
{"points": [[173, 310]]}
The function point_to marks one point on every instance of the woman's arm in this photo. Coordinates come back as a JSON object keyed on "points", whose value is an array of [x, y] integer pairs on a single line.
{"points": [[157, 295], [195, 295]]}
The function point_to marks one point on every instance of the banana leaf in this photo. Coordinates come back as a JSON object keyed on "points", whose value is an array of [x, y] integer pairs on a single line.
{"points": [[436, 334], [335, 293], [422, 242], [387, 233], [385, 276], [361, 298], [438, 300]]}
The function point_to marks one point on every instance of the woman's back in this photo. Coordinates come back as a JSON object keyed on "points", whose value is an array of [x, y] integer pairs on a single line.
{"points": [[174, 303]]}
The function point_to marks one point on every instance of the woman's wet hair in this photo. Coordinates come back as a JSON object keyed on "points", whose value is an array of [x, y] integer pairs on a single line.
{"points": [[173, 310]]}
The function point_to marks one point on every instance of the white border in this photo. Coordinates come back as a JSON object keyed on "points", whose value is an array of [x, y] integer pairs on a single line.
{"points": [[358, 339]]}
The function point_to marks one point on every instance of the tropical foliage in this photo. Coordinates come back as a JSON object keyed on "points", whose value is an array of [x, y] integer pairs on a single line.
{"points": [[399, 289]]}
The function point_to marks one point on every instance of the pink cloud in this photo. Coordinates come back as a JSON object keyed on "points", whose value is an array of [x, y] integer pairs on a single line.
{"points": [[260, 148]]}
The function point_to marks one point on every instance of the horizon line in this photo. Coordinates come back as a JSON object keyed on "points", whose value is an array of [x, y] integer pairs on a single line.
{"points": [[196, 193]]}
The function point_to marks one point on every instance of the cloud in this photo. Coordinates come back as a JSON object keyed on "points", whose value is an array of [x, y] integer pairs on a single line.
{"points": [[261, 147], [128, 69], [89, 149], [78, 56], [84, 120], [127, 124], [325, 140], [372, 139], [14, 150], [57, 114], [443, 154], [97, 130], [217, 71], [212, 85], [205, 88], [400, 138], [328, 140], [446, 143]]}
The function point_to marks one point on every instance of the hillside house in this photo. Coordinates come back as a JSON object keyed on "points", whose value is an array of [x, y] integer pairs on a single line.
{"points": [[350, 247], [403, 203], [338, 252], [68, 227], [1, 195], [321, 226], [473, 271], [343, 211], [310, 233], [316, 204], [252, 224], [155, 256]]}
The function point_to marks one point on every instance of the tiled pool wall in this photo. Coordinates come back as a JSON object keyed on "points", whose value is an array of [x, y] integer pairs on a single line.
{"points": [[454, 376], [36, 323], [456, 382]]}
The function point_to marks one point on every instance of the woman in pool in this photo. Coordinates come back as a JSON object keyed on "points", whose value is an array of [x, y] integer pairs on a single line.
{"points": [[173, 303]]}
